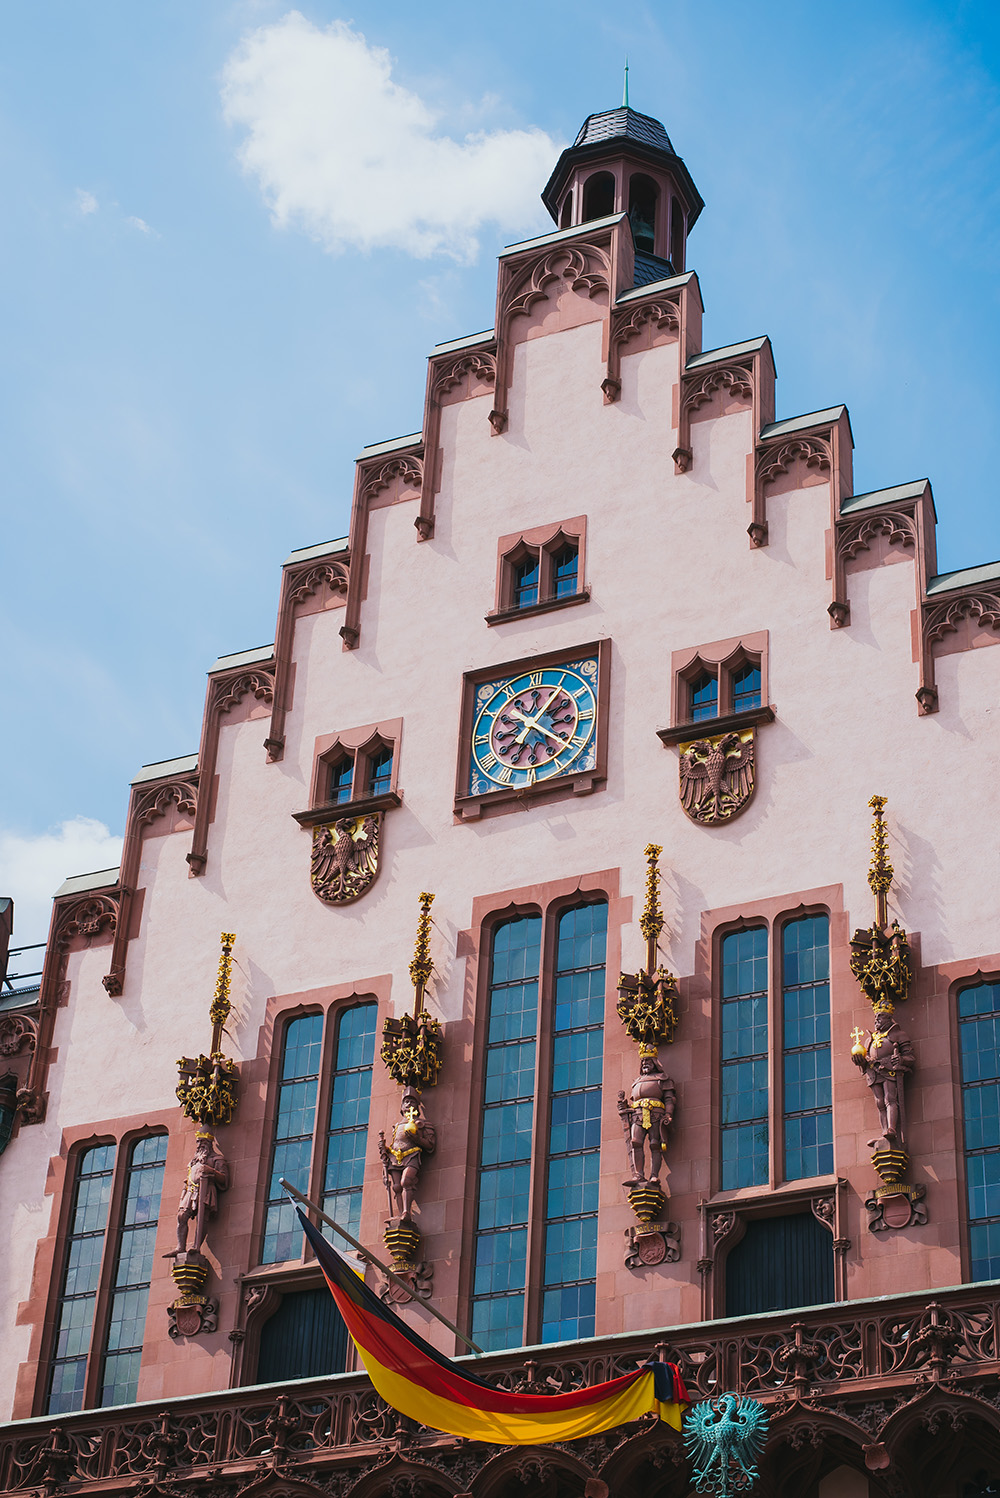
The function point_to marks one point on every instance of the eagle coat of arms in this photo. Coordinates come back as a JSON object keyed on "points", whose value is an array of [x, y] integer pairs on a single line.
{"points": [[717, 776], [345, 858]]}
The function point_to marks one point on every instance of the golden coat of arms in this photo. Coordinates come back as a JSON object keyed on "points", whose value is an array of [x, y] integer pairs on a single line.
{"points": [[345, 857], [717, 776]]}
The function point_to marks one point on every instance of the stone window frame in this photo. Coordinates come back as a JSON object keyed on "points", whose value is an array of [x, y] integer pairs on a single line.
{"points": [[724, 657], [360, 746], [543, 541], [469, 805], [724, 1213], [122, 1143], [262, 1287], [723, 1224], [981, 976], [774, 922], [549, 902]]}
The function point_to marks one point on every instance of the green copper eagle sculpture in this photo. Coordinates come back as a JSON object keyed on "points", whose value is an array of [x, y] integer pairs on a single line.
{"points": [[725, 1438]]}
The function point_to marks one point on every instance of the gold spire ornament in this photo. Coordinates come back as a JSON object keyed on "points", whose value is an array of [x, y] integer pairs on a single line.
{"points": [[412, 1044], [880, 956], [646, 999], [207, 1085]]}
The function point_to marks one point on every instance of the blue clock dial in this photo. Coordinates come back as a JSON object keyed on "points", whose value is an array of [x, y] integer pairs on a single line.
{"points": [[534, 726]]}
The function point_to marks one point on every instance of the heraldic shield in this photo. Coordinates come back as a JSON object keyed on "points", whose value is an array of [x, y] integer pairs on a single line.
{"points": [[345, 858], [717, 776]]}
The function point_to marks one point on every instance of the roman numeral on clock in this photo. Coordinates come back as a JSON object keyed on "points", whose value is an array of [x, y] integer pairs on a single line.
{"points": [[488, 760]]}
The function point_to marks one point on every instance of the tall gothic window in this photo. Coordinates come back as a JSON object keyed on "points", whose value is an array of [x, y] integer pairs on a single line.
{"points": [[133, 1270], [543, 1083], [808, 1096], [345, 1136], [794, 1005], [88, 1264], [81, 1278], [505, 1175], [570, 1265], [744, 1059], [350, 1098], [979, 1045]]}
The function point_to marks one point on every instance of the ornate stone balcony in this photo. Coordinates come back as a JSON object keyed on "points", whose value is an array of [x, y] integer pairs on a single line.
{"points": [[904, 1387]]}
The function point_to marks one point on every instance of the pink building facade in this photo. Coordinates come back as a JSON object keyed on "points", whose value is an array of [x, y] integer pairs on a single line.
{"points": [[612, 663]]}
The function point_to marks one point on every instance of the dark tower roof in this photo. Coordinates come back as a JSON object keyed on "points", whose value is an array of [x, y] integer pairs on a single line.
{"points": [[626, 130], [611, 124]]}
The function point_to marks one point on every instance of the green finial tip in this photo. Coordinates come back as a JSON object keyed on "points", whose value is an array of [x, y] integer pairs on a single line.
{"points": [[625, 89]]}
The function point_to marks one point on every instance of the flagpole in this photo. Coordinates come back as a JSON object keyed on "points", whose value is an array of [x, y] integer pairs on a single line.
{"points": [[366, 1253]]}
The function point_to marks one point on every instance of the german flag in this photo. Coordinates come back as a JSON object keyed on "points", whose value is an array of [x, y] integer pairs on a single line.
{"points": [[424, 1385]]}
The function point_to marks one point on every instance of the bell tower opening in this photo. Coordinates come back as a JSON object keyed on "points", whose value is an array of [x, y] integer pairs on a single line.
{"points": [[598, 196], [643, 202]]}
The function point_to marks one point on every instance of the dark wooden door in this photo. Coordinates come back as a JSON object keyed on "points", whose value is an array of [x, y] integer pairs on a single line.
{"points": [[304, 1338], [780, 1263]]}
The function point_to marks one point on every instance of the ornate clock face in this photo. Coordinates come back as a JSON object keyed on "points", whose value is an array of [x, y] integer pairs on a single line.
{"points": [[534, 726]]}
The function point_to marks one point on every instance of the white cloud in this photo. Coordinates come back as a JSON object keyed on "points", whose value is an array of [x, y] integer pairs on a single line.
{"points": [[141, 225], [85, 201], [354, 159], [32, 868]]}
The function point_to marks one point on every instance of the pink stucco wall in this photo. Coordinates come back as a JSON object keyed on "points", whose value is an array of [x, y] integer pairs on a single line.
{"points": [[669, 565]]}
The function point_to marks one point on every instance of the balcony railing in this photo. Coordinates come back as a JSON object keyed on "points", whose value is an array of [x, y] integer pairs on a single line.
{"points": [[851, 1352], [23, 977]]}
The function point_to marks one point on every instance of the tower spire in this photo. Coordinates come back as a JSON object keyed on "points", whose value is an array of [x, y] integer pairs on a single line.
{"points": [[625, 87]]}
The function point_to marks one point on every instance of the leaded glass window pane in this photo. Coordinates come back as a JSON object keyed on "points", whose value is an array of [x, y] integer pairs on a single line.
{"points": [[978, 1034], [505, 1173], [341, 781], [349, 1103], [84, 1251], [380, 773], [704, 697], [743, 1081], [571, 1198], [293, 1135], [565, 565], [526, 583], [806, 1020], [746, 688]]}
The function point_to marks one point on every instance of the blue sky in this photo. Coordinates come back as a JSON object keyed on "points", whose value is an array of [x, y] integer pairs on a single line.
{"points": [[233, 232]]}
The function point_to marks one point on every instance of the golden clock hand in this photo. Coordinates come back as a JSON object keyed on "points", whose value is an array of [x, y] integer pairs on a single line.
{"points": [[534, 723]]}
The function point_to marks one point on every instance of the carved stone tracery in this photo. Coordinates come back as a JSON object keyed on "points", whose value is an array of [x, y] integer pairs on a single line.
{"points": [[772, 460], [939, 619], [225, 690], [647, 318], [583, 266]]}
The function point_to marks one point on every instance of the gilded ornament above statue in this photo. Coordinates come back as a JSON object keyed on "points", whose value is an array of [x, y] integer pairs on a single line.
{"points": [[207, 1087], [646, 999]]}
